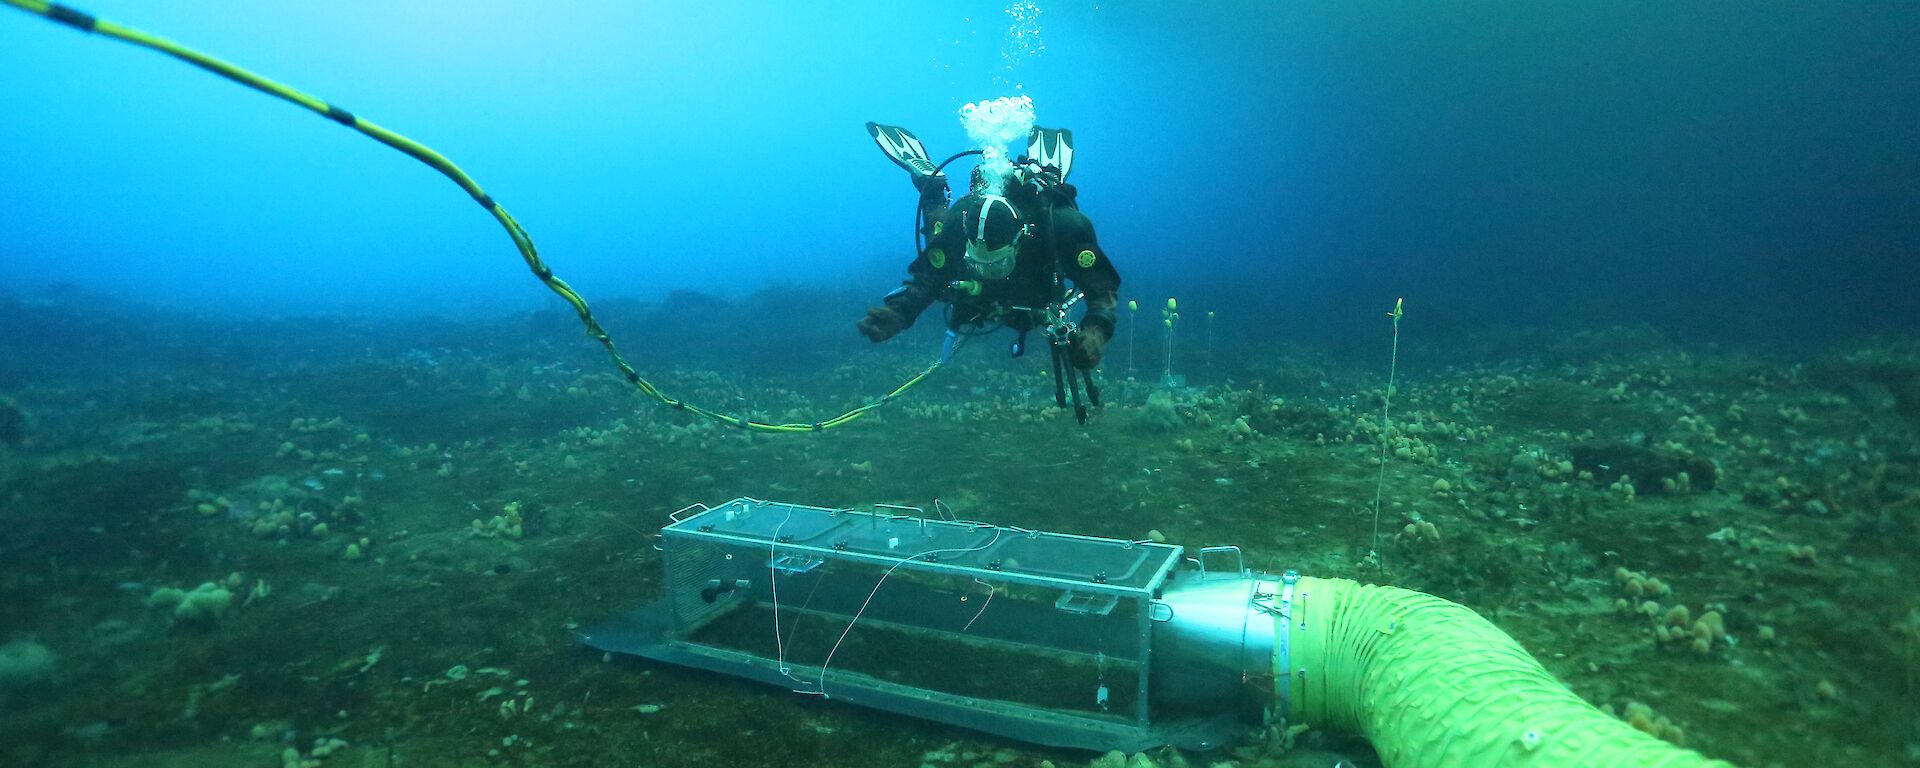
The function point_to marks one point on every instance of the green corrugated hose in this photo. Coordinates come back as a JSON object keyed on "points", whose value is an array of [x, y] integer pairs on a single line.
{"points": [[1433, 685]]}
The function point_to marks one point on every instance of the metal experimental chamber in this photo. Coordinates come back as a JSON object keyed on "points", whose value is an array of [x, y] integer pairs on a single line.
{"points": [[1049, 638]]}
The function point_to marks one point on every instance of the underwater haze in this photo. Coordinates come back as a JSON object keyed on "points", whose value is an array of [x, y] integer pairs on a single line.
{"points": [[1568, 352], [1711, 167]]}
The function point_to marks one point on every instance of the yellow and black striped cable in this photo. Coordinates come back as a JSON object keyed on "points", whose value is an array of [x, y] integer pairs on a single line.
{"points": [[86, 22]]}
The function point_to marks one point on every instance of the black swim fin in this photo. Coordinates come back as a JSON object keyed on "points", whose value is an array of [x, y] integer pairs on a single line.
{"points": [[1051, 147], [903, 148]]}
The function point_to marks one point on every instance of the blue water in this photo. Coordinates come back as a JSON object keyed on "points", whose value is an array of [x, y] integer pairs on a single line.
{"points": [[1714, 168], [1653, 242]]}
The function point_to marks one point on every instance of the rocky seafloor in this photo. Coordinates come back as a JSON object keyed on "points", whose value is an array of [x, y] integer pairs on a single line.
{"points": [[368, 542]]}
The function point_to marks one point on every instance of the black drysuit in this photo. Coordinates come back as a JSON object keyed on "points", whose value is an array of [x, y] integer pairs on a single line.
{"points": [[1061, 239]]}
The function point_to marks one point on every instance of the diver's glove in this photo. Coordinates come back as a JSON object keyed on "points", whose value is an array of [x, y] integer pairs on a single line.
{"points": [[1087, 346], [882, 323], [933, 187]]}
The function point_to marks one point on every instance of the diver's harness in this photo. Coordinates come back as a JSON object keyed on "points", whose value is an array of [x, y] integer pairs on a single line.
{"points": [[1054, 320]]}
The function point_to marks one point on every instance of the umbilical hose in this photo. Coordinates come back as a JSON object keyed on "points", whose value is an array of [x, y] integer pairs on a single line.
{"points": [[1433, 685]]}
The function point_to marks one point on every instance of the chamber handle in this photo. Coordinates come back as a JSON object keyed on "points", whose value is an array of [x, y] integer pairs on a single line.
{"points": [[1239, 560]]}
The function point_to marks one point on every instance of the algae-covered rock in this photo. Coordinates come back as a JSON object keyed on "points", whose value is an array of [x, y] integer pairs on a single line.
{"points": [[1280, 417], [1158, 415], [206, 604], [1895, 372], [1112, 759], [24, 662], [1609, 461]]}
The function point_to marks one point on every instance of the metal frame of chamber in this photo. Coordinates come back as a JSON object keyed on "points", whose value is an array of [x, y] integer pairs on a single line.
{"points": [[987, 627]]}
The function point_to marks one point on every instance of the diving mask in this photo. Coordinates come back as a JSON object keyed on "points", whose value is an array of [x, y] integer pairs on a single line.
{"points": [[993, 230], [992, 263]]}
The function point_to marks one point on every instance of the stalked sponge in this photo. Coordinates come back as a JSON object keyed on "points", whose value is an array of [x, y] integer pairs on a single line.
{"points": [[206, 604]]}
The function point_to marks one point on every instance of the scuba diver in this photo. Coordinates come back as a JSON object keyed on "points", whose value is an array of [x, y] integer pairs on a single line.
{"points": [[1004, 256]]}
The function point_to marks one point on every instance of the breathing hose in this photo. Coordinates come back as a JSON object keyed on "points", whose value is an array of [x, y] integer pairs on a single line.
{"points": [[86, 22], [920, 212], [1433, 685]]}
